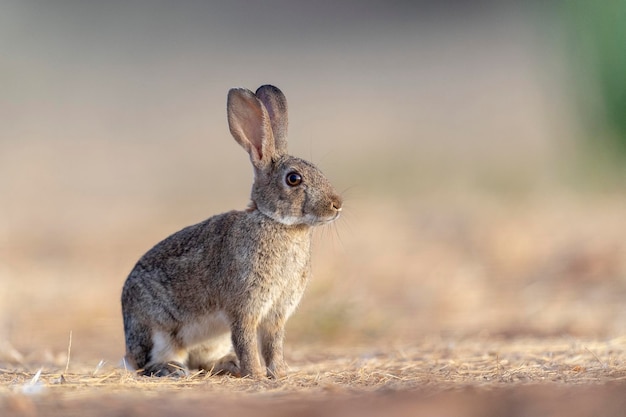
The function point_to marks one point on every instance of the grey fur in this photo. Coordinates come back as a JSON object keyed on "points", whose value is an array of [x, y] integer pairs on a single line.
{"points": [[233, 280]]}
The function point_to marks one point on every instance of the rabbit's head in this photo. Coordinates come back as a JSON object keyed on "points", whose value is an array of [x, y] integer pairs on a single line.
{"points": [[287, 189]]}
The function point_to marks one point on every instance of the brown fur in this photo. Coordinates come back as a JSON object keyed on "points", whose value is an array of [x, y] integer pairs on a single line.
{"points": [[234, 279]]}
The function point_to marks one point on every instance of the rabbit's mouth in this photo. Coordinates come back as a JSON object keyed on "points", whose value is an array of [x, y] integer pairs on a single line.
{"points": [[334, 216], [335, 212], [319, 221]]}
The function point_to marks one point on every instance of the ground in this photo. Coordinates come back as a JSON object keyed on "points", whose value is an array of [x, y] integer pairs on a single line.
{"points": [[482, 377]]}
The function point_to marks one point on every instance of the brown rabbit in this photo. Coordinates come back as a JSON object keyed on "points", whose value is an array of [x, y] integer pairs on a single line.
{"points": [[234, 279]]}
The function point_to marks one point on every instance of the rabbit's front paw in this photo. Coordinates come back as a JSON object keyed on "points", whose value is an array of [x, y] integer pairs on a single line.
{"points": [[277, 370], [252, 372]]}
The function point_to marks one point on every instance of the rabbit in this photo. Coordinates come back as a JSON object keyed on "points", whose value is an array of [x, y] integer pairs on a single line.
{"points": [[211, 294]]}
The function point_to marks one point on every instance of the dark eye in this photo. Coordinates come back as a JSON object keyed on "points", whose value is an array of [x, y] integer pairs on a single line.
{"points": [[293, 179]]}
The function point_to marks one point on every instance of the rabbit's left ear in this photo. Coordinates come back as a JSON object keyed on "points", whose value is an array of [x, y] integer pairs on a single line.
{"points": [[276, 104], [250, 125]]}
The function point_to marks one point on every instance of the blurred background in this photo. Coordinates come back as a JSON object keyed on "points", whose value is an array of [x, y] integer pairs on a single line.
{"points": [[480, 147]]}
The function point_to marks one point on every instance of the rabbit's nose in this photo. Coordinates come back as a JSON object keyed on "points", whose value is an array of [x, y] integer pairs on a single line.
{"points": [[336, 205]]}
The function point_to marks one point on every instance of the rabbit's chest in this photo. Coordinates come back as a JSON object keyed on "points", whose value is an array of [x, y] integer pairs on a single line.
{"points": [[284, 281]]}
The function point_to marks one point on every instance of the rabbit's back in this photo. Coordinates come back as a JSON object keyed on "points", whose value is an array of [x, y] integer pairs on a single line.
{"points": [[175, 269]]}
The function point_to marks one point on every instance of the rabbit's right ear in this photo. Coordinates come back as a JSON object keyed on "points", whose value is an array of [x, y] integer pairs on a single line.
{"points": [[251, 127]]}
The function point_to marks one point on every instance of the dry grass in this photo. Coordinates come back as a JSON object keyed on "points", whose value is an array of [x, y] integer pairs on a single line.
{"points": [[396, 380]]}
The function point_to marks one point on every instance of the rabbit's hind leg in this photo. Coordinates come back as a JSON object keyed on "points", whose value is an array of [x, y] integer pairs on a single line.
{"points": [[172, 368], [138, 343], [226, 365], [215, 356], [167, 358]]}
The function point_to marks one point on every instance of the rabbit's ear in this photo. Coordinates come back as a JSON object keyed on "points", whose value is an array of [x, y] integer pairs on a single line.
{"points": [[250, 125], [276, 104]]}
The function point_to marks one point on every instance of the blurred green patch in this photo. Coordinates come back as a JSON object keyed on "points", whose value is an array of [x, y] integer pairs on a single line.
{"points": [[596, 45]]}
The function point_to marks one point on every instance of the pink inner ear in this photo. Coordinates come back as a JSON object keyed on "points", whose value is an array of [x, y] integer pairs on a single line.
{"points": [[250, 125], [257, 126]]}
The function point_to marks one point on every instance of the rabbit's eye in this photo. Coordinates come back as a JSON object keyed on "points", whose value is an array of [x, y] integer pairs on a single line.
{"points": [[293, 179]]}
